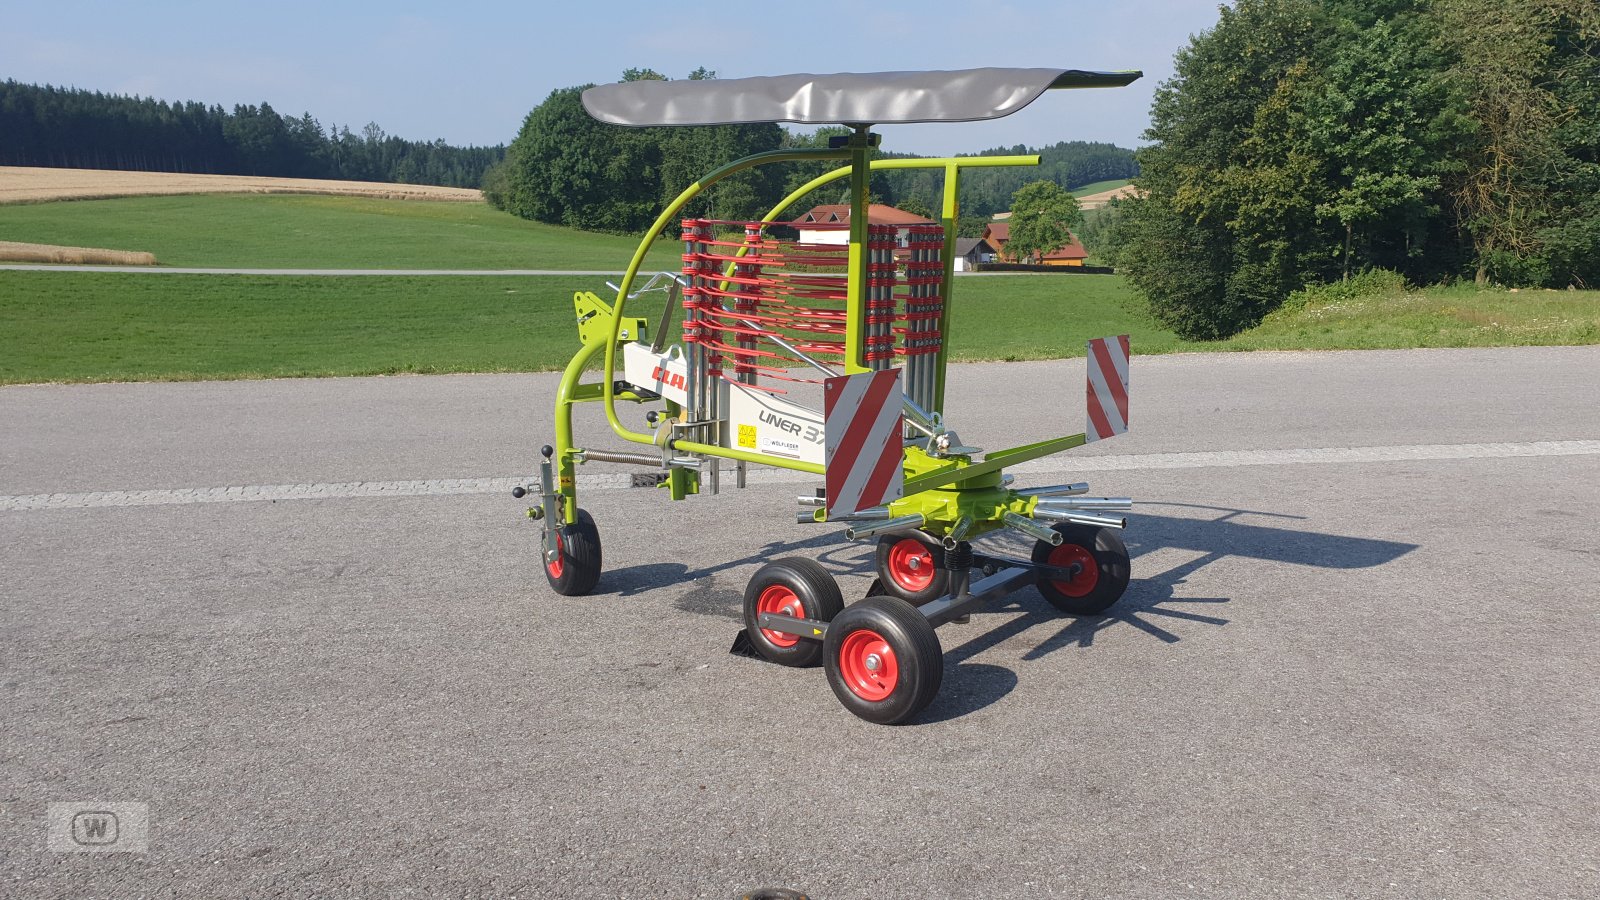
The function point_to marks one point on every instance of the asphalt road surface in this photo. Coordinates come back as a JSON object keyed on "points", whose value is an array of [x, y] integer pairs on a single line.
{"points": [[302, 622]]}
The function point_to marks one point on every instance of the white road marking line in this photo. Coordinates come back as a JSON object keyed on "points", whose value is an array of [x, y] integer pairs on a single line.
{"points": [[504, 484]]}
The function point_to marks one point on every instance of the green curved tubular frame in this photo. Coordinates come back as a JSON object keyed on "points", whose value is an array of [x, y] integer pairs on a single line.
{"points": [[949, 214], [856, 151], [661, 222], [948, 217]]}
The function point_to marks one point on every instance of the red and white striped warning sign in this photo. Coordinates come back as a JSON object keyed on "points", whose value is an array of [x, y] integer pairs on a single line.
{"points": [[861, 424], [1107, 391]]}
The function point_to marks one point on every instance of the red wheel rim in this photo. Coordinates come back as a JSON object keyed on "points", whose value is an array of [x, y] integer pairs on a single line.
{"points": [[1082, 583], [555, 568], [868, 666], [779, 599], [910, 565]]}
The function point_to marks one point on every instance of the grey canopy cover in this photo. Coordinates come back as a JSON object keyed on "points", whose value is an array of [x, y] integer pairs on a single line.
{"points": [[878, 98]]}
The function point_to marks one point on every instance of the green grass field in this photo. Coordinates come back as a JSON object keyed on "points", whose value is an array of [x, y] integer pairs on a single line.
{"points": [[1458, 316], [112, 327], [320, 232]]}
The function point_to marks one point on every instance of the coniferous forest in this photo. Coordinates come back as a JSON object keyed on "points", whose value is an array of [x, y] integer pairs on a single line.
{"points": [[72, 128]]}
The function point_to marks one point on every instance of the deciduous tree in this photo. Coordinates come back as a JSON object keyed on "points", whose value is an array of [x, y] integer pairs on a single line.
{"points": [[1042, 218]]}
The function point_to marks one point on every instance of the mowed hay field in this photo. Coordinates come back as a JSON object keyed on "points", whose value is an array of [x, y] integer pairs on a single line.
{"points": [[28, 184], [1097, 195], [301, 231], [14, 251]]}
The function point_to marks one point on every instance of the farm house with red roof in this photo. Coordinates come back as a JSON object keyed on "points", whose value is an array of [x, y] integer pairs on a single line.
{"points": [[1071, 253]]}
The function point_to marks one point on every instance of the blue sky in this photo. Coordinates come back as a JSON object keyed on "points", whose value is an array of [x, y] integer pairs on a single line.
{"points": [[470, 71]]}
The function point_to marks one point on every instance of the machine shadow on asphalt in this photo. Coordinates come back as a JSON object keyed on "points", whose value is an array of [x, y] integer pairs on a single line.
{"points": [[1152, 597], [1150, 604], [837, 554]]}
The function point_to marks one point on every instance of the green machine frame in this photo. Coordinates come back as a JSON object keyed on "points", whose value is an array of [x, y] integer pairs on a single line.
{"points": [[971, 489], [881, 654]]}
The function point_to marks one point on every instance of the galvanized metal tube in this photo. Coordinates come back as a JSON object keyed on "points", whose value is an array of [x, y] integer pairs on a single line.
{"points": [[811, 501], [930, 327], [552, 510], [913, 368], [930, 293], [881, 329], [919, 418], [1082, 518], [876, 329], [930, 258], [800, 355], [913, 297], [803, 517], [873, 529], [696, 355], [872, 514], [714, 388], [1110, 504], [1036, 530], [958, 533], [664, 325], [1055, 490], [747, 303]]}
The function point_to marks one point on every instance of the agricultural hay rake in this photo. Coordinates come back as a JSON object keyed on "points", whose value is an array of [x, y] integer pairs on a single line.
{"points": [[828, 355]]}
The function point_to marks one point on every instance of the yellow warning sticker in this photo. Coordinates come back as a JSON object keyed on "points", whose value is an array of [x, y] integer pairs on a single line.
{"points": [[747, 436]]}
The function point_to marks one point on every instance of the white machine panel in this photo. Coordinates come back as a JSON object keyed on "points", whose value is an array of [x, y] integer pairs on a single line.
{"points": [[763, 423], [665, 373]]}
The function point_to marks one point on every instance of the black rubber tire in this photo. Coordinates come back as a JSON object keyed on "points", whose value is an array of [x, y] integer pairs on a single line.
{"points": [[938, 587], [1111, 562], [580, 557], [818, 596], [918, 658]]}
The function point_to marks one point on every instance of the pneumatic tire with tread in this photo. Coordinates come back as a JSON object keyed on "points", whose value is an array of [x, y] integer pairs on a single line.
{"points": [[883, 660], [793, 586], [1105, 568], [578, 569]]}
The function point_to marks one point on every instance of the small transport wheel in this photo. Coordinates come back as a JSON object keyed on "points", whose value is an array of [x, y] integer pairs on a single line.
{"points": [[576, 571], [1103, 562], [912, 569], [883, 660], [792, 586]]}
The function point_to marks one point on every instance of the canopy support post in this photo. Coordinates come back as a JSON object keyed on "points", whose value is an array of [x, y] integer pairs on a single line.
{"points": [[860, 144]]}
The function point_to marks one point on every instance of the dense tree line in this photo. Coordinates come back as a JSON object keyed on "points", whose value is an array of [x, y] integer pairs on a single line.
{"points": [[71, 128], [1303, 140], [565, 168]]}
